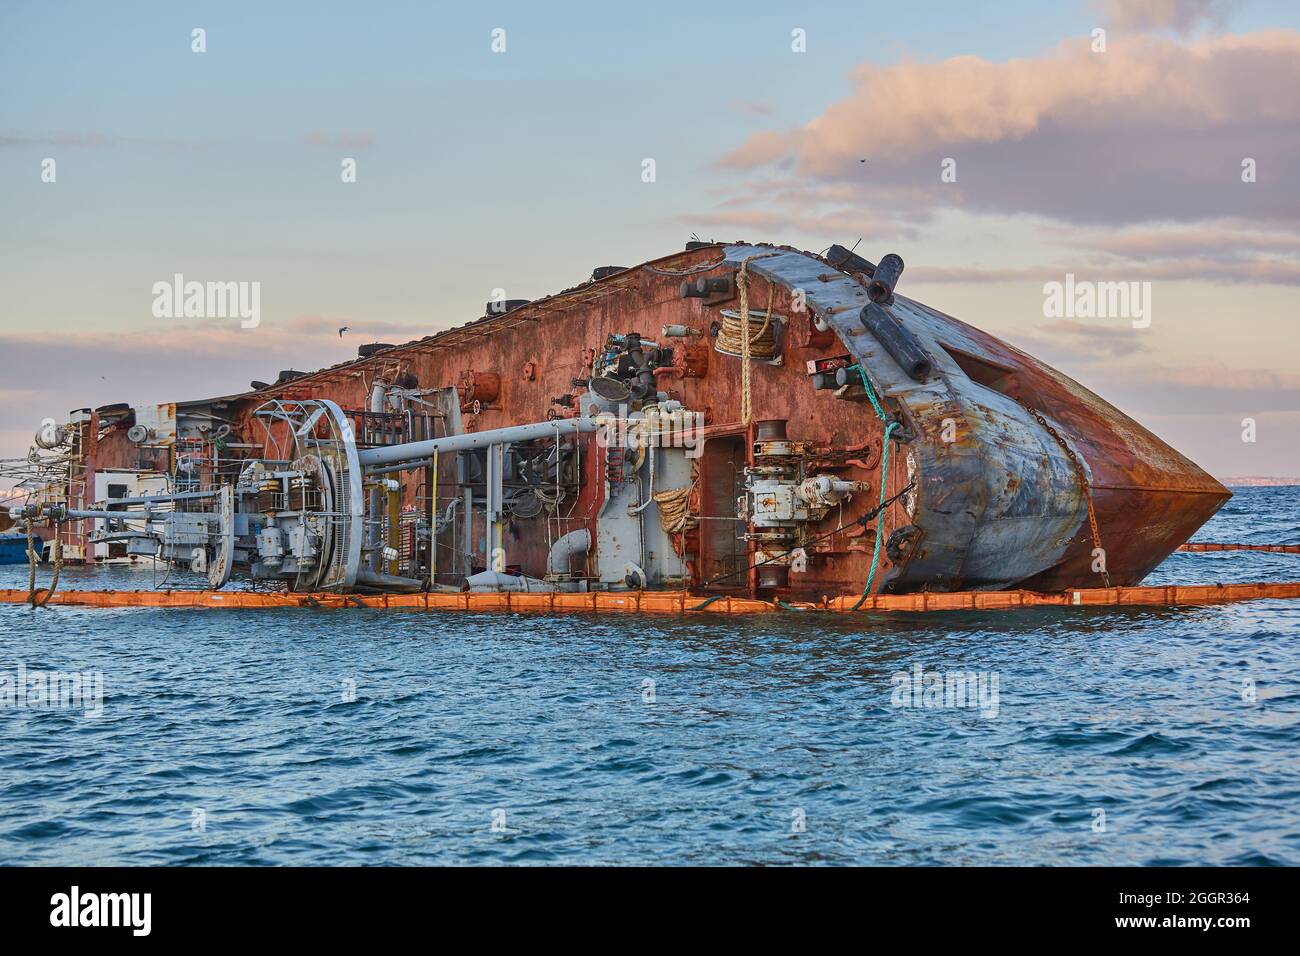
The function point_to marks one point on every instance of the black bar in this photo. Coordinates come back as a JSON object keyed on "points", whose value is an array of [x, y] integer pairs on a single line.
{"points": [[334, 905]]}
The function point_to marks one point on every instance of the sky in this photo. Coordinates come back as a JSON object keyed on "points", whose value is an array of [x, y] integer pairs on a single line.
{"points": [[997, 148]]}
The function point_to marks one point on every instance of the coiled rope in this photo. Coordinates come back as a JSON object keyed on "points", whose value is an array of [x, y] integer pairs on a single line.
{"points": [[674, 510], [675, 516], [762, 338]]}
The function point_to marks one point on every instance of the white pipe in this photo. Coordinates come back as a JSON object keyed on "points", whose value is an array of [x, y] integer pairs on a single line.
{"points": [[565, 547], [498, 581], [651, 421], [387, 454]]}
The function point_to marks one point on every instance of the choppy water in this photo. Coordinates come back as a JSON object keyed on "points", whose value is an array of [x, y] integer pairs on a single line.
{"points": [[755, 725]]}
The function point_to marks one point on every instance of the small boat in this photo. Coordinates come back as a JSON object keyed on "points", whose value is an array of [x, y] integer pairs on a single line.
{"points": [[13, 547]]}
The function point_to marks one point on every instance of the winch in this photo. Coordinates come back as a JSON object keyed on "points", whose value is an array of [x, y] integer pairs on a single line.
{"points": [[783, 500]]}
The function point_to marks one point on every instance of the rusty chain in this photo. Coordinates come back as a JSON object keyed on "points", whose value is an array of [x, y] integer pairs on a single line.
{"points": [[1083, 485]]}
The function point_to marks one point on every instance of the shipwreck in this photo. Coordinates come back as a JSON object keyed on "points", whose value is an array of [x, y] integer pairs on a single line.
{"points": [[733, 419]]}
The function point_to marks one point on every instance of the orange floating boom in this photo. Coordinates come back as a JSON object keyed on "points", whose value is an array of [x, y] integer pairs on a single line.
{"points": [[675, 602], [1214, 546]]}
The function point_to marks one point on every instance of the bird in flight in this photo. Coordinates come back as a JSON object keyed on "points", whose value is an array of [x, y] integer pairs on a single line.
{"points": [[344, 329]]}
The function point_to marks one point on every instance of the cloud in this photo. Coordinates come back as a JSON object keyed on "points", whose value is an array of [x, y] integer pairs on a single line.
{"points": [[97, 140], [1190, 391], [1085, 342], [751, 108], [183, 362], [345, 140], [1223, 239], [1151, 129], [775, 206], [778, 220], [1223, 269], [1181, 16], [1115, 361], [760, 149]]}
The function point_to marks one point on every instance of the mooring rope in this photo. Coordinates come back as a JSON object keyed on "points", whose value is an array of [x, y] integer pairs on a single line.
{"points": [[884, 478], [730, 330], [702, 267], [31, 566], [57, 546]]}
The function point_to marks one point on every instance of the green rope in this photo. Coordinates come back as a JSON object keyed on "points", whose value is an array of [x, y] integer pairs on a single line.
{"points": [[884, 477], [790, 607], [871, 392]]}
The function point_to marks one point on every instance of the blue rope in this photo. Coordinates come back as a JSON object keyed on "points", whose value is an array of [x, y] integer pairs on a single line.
{"points": [[884, 477]]}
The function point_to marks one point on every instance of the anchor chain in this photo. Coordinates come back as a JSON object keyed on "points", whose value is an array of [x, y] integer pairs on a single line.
{"points": [[1083, 485]]}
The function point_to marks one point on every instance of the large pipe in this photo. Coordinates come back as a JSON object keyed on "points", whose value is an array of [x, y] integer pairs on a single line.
{"points": [[902, 346], [500, 581], [881, 287], [565, 547], [388, 454], [849, 261], [388, 582], [374, 515], [404, 466]]}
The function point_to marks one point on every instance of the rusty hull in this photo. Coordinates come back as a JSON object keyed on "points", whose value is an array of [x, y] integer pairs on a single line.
{"points": [[997, 504], [1000, 505]]}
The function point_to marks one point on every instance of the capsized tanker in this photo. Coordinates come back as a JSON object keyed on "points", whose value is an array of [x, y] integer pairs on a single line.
{"points": [[732, 419]]}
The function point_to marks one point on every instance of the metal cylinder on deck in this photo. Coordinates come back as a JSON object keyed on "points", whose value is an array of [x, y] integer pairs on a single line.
{"points": [[903, 347], [706, 286], [849, 261], [770, 438], [881, 287]]}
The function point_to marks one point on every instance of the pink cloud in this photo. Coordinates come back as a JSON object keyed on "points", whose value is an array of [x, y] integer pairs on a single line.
{"points": [[1181, 16], [1153, 128], [1197, 268], [185, 361], [913, 107]]}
